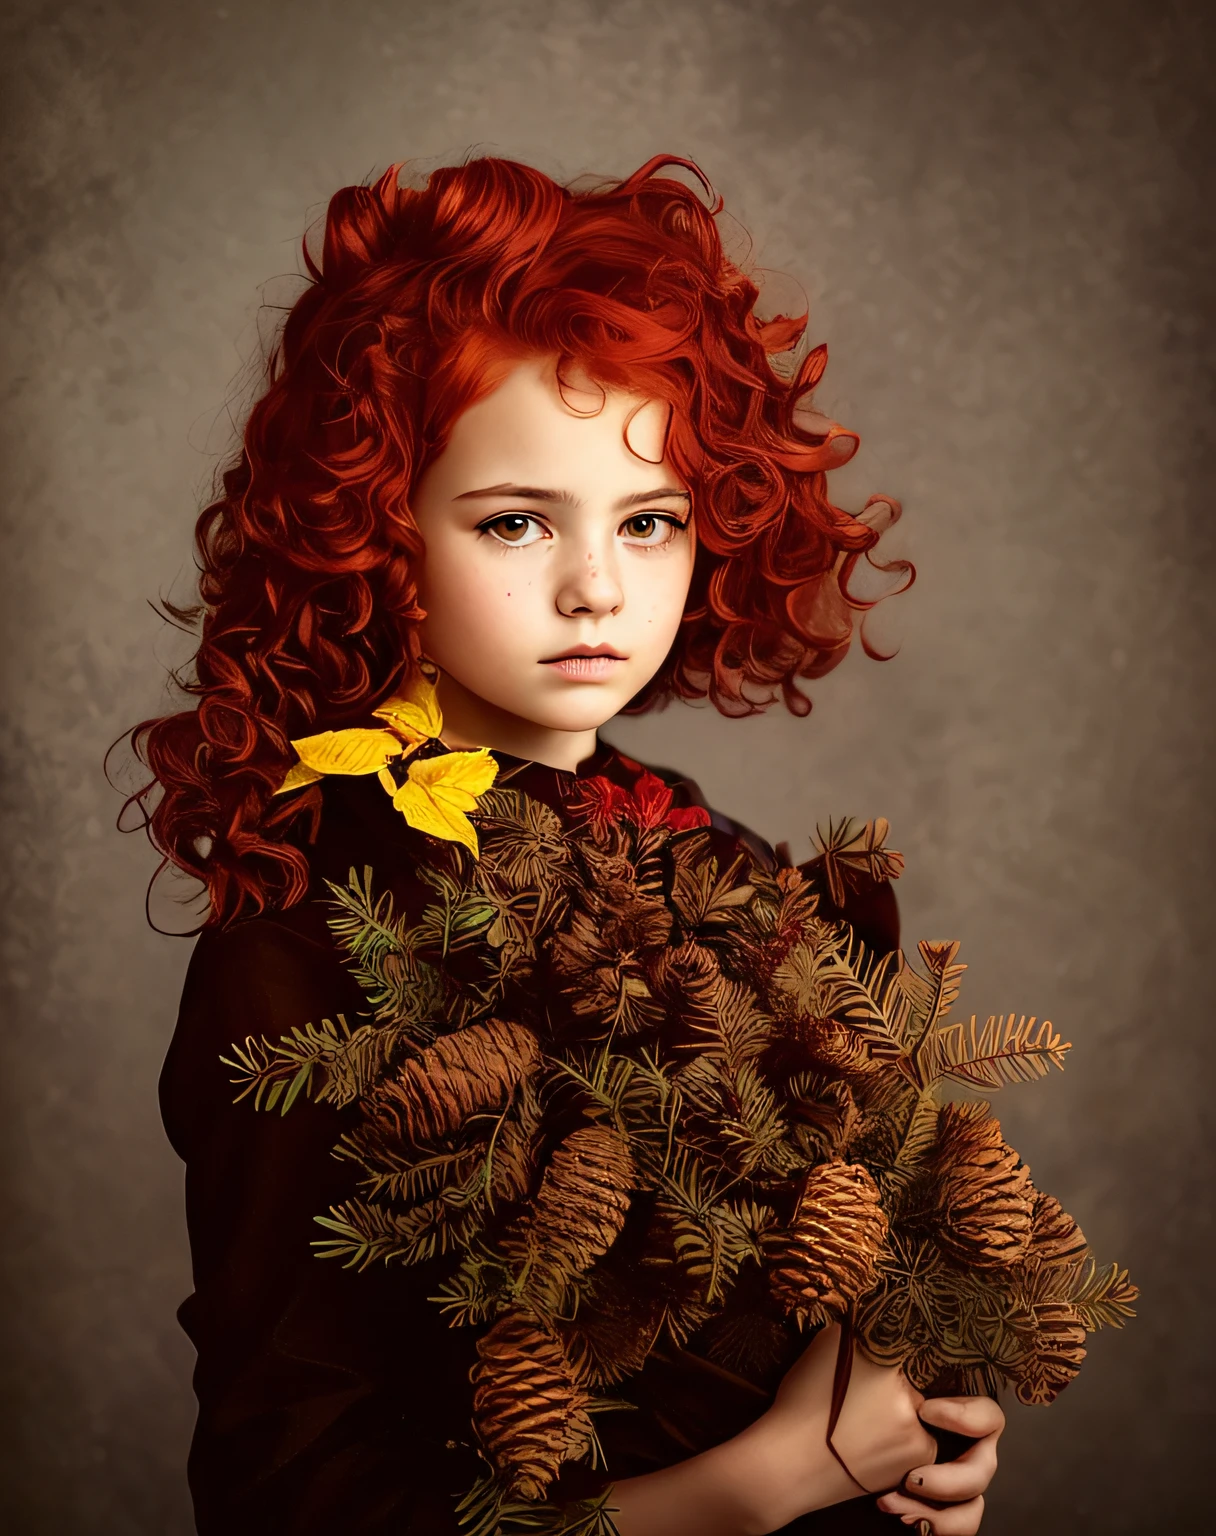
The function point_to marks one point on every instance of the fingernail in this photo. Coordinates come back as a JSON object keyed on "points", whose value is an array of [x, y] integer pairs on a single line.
{"points": [[917, 1481]]}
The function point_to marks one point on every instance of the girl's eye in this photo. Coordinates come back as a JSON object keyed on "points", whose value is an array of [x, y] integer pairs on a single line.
{"points": [[650, 528], [515, 528]]}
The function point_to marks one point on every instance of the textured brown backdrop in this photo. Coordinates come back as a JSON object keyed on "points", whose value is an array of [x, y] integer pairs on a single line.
{"points": [[1001, 217]]}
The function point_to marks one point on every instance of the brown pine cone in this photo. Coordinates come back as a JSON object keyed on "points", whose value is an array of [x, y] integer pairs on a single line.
{"points": [[513, 1162], [1055, 1238], [600, 960], [617, 1323], [470, 1070], [528, 1408], [581, 1205], [828, 1256], [1054, 1355], [983, 1194], [688, 979]]}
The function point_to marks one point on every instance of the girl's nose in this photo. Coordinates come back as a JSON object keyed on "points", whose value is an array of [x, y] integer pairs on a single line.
{"points": [[590, 587]]}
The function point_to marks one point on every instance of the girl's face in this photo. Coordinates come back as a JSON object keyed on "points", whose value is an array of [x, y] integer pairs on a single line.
{"points": [[559, 551]]}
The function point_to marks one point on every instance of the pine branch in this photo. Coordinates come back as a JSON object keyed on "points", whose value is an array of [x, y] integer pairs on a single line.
{"points": [[709, 1238], [489, 1510], [457, 920], [756, 1132], [362, 922], [1103, 1297], [838, 978], [402, 988], [522, 842], [920, 1133], [852, 852], [328, 1062], [1007, 1050], [418, 1179], [932, 999], [634, 1094], [365, 1234], [483, 1286], [731, 1026], [703, 898]]}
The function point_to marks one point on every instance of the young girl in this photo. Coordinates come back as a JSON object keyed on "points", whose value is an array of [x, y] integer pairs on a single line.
{"points": [[531, 445]]}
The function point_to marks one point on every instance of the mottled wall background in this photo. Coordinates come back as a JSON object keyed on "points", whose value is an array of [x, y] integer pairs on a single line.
{"points": [[1001, 216]]}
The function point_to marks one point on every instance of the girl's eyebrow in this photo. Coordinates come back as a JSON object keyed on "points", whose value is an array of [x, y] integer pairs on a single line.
{"points": [[640, 496], [567, 498], [524, 492]]}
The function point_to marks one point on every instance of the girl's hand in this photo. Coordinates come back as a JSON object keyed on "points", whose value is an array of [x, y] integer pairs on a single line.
{"points": [[781, 1466], [957, 1485], [878, 1437]]}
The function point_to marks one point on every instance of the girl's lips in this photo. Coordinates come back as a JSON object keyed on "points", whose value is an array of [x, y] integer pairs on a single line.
{"points": [[585, 669]]}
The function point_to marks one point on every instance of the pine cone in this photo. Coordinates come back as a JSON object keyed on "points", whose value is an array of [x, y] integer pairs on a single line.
{"points": [[528, 1408], [617, 1322], [513, 1162], [686, 976], [1055, 1238], [831, 1116], [1055, 1355], [471, 1070], [983, 1193], [601, 958], [829, 1254], [581, 1205]]}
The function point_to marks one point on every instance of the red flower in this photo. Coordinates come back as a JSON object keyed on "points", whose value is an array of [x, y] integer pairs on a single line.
{"points": [[647, 806], [682, 818]]}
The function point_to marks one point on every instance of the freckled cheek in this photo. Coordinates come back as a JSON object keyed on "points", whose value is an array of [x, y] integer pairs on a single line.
{"points": [[499, 612], [662, 602]]}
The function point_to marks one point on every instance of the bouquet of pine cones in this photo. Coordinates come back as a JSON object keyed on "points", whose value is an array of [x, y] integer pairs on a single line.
{"points": [[627, 1093]]}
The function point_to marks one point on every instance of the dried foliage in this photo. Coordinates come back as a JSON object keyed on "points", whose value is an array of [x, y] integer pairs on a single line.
{"points": [[623, 1093]]}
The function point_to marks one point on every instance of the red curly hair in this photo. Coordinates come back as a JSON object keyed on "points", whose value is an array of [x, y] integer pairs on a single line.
{"points": [[308, 552]]}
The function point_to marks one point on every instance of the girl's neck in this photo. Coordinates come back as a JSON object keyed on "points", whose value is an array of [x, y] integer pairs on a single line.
{"points": [[469, 721]]}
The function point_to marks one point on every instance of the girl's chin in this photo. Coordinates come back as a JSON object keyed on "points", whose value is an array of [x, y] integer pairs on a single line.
{"points": [[581, 714], [579, 720], [581, 703], [561, 703]]}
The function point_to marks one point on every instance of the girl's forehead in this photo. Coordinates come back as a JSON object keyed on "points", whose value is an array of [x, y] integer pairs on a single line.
{"points": [[533, 424]]}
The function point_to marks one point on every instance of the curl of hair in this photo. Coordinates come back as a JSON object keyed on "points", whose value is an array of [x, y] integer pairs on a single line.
{"points": [[307, 553]]}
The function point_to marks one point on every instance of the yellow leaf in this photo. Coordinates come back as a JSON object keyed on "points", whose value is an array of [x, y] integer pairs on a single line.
{"points": [[413, 713], [298, 775], [440, 790], [347, 752], [457, 774]]}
